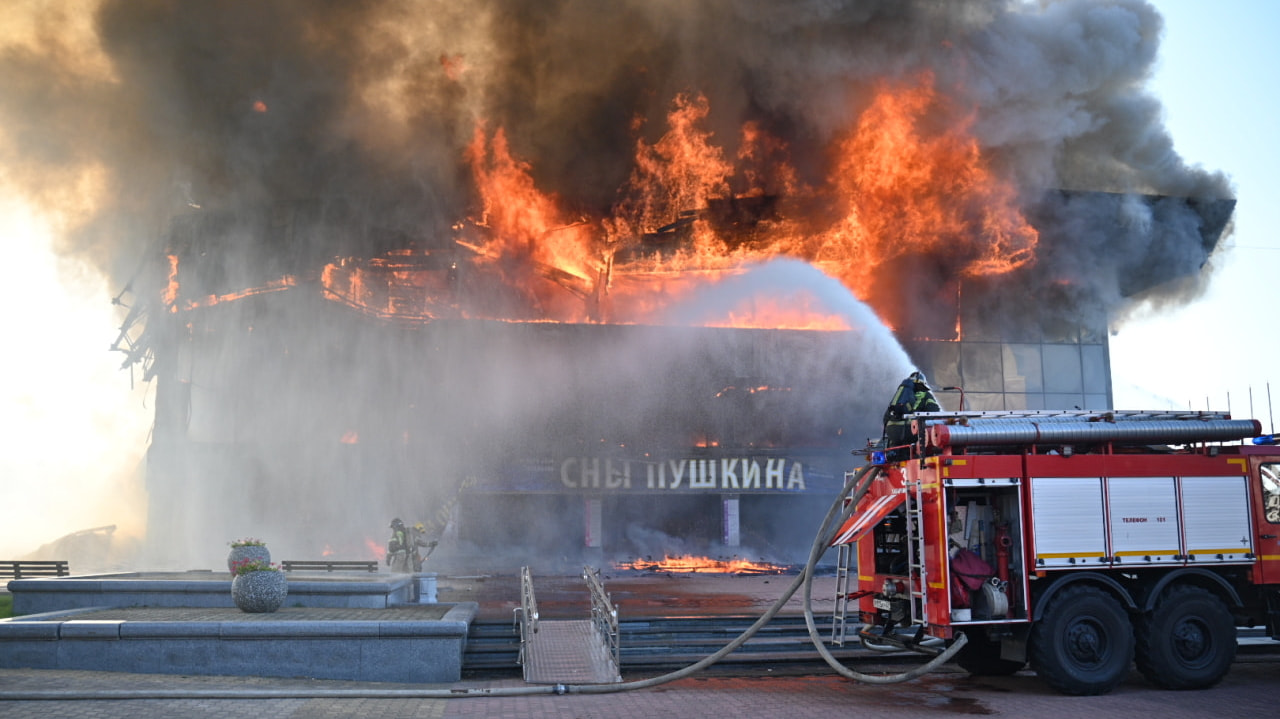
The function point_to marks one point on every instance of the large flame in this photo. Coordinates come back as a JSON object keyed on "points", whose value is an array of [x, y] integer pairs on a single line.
{"points": [[904, 190], [680, 173], [906, 181]]}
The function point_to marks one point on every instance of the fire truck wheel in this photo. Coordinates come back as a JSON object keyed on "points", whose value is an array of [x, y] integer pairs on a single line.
{"points": [[1083, 643], [1188, 641], [981, 657]]}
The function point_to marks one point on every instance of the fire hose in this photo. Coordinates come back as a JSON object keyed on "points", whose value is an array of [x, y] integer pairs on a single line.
{"points": [[858, 485]]}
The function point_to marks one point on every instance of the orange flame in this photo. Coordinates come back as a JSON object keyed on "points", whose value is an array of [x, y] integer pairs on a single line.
{"points": [[908, 191], [680, 172], [525, 221], [688, 564], [283, 283], [378, 551], [453, 65], [170, 294], [907, 180]]}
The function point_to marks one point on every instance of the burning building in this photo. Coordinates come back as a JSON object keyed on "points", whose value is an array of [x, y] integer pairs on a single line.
{"points": [[615, 281], [366, 383]]}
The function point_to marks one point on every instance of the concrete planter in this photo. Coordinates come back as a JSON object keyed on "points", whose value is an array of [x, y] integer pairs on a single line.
{"points": [[259, 592], [256, 553]]}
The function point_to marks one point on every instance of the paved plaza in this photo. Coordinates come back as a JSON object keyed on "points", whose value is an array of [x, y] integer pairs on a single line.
{"points": [[1249, 690]]}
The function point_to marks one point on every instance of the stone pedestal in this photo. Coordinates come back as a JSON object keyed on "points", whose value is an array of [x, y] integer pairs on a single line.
{"points": [[426, 587], [259, 592]]}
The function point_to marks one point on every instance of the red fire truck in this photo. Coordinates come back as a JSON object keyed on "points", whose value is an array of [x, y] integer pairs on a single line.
{"points": [[1076, 541]]}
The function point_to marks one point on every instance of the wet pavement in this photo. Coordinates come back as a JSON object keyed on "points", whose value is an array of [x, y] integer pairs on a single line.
{"points": [[766, 692], [637, 594], [782, 690]]}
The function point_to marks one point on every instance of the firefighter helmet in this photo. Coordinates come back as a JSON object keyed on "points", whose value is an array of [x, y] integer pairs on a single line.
{"points": [[397, 524], [420, 527]]}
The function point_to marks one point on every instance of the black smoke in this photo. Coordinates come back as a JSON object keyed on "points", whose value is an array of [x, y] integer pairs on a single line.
{"points": [[364, 109]]}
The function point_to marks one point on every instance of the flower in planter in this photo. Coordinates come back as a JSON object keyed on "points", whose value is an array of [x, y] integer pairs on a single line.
{"points": [[244, 566], [242, 549], [258, 585]]}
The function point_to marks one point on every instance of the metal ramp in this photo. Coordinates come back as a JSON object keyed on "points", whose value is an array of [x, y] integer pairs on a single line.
{"points": [[571, 651]]}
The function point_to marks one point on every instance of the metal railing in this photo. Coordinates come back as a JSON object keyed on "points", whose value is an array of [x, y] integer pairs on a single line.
{"points": [[604, 616], [526, 614]]}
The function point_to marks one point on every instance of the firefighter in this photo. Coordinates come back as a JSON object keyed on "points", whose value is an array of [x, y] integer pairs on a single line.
{"points": [[913, 395], [420, 540], [398, 547]]}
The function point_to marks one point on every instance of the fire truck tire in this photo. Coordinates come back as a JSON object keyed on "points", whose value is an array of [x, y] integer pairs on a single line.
{"points": [[1083, 643], [981, 657], [1188, 641]]}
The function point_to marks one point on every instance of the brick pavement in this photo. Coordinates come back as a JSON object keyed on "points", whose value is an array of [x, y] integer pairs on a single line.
{"points": [[1248, 691]]}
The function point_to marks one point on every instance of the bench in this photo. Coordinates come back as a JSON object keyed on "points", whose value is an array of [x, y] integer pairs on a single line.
{"points": [[329, 565], [22, 568]]}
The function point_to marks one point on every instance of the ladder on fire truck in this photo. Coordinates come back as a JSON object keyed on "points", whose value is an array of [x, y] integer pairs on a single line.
{"points": [[917, 573], [844, 557]]}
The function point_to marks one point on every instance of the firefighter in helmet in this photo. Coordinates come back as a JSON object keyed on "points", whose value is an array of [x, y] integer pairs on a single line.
{"points": [[398, 547], [913, 395]]}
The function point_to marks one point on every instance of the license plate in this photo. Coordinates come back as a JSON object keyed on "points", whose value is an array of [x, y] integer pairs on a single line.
{"points": [[881, 604]]}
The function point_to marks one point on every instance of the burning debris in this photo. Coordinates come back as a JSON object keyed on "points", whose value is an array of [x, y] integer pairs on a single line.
{"points": [[689, 564]]}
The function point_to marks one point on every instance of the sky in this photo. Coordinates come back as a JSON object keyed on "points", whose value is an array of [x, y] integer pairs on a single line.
{"points": [[77, 425], [1219, 80]]}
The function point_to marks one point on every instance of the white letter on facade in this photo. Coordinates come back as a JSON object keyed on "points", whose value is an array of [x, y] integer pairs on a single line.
{"points": [[773, 473], [729, 473], [796, 478], [590, 473], [564, 473]]}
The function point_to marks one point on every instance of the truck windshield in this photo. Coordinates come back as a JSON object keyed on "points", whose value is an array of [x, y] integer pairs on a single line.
{"points": [[1271, 490]]}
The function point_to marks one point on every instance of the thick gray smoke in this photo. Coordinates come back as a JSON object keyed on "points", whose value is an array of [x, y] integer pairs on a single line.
{"points": [[367, 107], [362, 113]]}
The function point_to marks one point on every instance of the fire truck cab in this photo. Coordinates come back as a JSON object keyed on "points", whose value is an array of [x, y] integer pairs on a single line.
{"points": [[1078, 542]]}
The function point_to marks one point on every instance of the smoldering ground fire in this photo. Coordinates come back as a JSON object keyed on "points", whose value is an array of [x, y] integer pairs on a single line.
{"points": [[450, 232]]}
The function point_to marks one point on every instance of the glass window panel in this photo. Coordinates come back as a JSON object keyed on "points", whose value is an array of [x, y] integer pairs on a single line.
{"points": [[1062, 369], [983, 401], [940, 361], [980, 367], [1094, 361], [1063, 401], [1018, 400], [1097, 401], [979, 318], [1022, 369]]}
